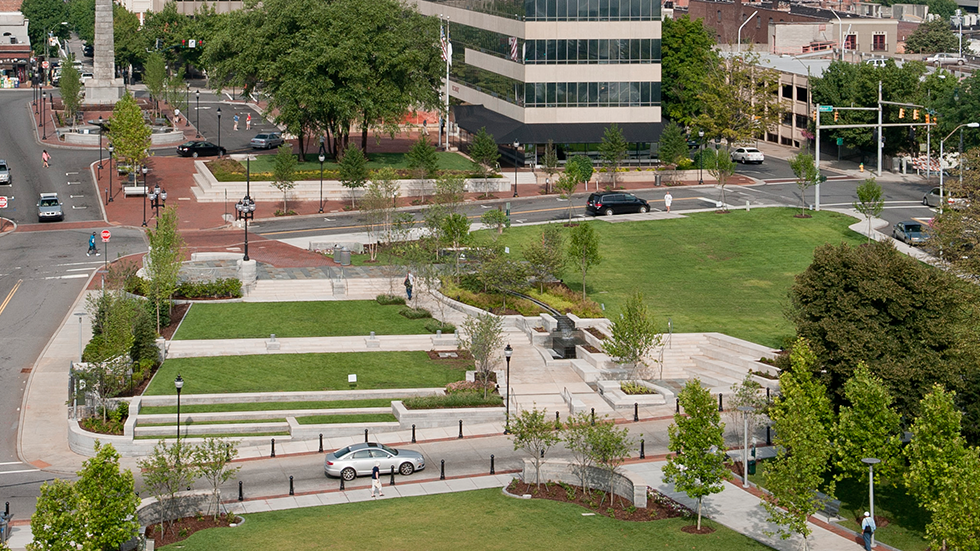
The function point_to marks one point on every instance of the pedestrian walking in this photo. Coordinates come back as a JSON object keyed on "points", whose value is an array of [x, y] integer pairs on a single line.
{"points": [[668, 199], [45, 158], [409, 284], [868, 528], [248, 122], [91, 246], [376, 479], [425, 127], [176, 117], [236, 122]]}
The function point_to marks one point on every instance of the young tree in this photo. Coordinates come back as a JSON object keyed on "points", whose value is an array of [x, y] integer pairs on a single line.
{"points": [[456, 233], [583, 249], [485, 339], [687, 51], [155, 77], [353, 171], [577, 437], [174, 92], [807, 176], [284, 173], [801, 418], [931, 37], [70, 86], [449, 191], [633, 335], [54, 524], [546, 255], [673, 145], [379, 206], [580, 169], [128, 133], [610, 448], [483, 151], [210, 459], [738, 99], [166, 472], [550, 164], [423, 163], [722, 168], [534, 434], [166, 256], [494, 218], [869, 427], [870, 201], [566, 186], [613, 150], [499, 271], [745, 393], [697, 439]]}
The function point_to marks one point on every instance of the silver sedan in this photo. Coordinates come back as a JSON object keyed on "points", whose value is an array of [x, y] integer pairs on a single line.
{"points": [[359, 459], [266, 140]]}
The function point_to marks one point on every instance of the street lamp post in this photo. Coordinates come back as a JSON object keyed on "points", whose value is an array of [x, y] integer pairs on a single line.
{"points": [[109, 192], [219, 131], [508, 352], [700, 156], [187, 103], [80, 316], [517, 144], [44, 127], [322, 158], [179, 384], [100, 142], [871, 462], [197, 94], [158, 199], [144, 195], [246, 207], [942, 197], [745, 447]]}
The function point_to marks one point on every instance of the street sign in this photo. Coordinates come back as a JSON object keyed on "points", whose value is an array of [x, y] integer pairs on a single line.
{"points": [[106, 235], [44, 64], [826, 108], [3, 201], [840, 141]]}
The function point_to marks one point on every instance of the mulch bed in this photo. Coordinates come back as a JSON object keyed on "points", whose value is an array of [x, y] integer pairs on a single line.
{"points": [[591, 348], [540, 329], [596, 333], [693, 529], [176, 314], [658, 507], [183, 528]]}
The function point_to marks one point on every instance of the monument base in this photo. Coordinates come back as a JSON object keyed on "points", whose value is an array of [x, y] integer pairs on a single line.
{"points": [[103, 92]]}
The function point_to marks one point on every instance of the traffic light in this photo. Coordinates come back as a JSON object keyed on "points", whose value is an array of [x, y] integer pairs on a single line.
{"points": [[915, 114], [926, 116], [814, 115], [901, 112], [836, 115]]}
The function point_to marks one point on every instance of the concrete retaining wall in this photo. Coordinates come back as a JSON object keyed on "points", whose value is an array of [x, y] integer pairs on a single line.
{"points": [[430, 418], [563, 471], [188, 504]]}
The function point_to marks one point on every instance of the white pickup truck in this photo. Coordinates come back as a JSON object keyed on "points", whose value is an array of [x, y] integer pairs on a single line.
{"points": [[946, 59]]}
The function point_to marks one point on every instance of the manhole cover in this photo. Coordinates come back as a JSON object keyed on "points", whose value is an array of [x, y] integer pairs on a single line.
{"points": [[26, 370], [448, 355]]}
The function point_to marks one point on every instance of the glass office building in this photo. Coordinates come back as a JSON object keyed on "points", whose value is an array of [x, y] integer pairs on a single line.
{"points": [[564, 70]]}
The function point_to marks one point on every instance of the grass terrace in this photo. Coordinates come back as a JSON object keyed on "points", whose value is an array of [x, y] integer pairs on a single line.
{"points": [[304, 372], [228, 170], [252, 320], [493, 522], [266, 406]]}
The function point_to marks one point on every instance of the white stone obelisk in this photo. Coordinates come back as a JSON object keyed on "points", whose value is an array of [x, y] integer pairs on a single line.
{"points": [[104, 87]]}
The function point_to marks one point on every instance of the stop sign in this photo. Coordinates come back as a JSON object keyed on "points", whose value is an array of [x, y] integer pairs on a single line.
{"points": [[3, 202], [44, 64], [106, 235]]}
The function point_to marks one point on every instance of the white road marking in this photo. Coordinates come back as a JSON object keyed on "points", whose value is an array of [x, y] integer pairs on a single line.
{"points": [[80, 269], [70, 276], [11, 463], [21, 471], [80, 263]]}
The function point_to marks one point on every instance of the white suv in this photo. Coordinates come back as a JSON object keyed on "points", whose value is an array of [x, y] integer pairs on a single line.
{"points": [[49, 208]]}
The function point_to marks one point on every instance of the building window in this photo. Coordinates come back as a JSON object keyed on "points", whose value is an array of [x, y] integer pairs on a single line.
{"points": [[801, 94], [850, 42], [878, 42], [788, 119], [758, 22], [568, 10], [802, 121], [580, 52], [591, 94], [719, 16], [788, 91]]}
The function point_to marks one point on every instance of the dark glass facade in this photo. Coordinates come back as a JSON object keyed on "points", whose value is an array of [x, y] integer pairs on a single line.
{"points": [[591, 94], [582, 52], [563, 10]]}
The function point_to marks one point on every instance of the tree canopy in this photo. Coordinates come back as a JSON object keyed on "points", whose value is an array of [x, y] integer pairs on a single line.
{"points": [[933, 36], [738, 99], [687, 51]]}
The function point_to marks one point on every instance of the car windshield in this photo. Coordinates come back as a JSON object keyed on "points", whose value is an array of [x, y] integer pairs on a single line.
{"points": [[913, 228], [49, 202], [392, 451], [341, 452], [3, 166], [262, 137]]}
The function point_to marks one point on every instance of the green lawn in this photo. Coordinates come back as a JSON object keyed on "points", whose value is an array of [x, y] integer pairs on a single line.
{"points": [[189, 422], [336, 318], [303, 372], [447, 161], [266, 406], [480, 519], [352, 418], [707, 272]]}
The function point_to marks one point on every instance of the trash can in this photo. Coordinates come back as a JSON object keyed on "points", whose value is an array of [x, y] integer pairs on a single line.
{"points": [[4, 527], [344, 256], [336, 253], [752, 466], [656, 179]]}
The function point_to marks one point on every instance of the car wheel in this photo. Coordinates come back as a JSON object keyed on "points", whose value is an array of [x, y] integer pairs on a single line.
{"points": [[960, 62], [644, 209], [608, 212], [348, 474], [194, 154], [925, 201], [406, 469]]}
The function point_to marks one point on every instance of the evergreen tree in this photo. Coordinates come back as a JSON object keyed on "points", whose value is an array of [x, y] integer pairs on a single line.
{"points": [[284, 172], [353, 171], [583, 249], [613, 150], [484, 152]]}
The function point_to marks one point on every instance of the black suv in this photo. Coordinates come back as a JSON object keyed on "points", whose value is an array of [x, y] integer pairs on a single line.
{"points": [[612, 202]]}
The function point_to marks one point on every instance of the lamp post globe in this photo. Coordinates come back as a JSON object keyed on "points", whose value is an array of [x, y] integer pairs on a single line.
{"points": [[508, 352]]}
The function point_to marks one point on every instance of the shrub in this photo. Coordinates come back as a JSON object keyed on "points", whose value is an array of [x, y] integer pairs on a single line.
{"points": [[435, 325], [218, 288], [388, 300], [415, 313], [632, 388], [454, 400]]}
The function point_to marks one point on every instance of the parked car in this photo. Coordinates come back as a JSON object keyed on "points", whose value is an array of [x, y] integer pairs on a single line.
{"points": [[4, 173], [49, 208], [747, 155], [359, 459], [196, 148], [910, 232], [609, 203], [933, 199], [877, 62], [88, 50], [266, 140], [946, 59]]}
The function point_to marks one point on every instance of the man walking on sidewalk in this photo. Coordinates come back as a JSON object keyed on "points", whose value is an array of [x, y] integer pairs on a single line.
{"points": [[376, 479], [868, 530], [91, 246]]}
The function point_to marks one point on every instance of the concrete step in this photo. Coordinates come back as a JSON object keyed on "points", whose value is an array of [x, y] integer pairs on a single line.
{"points": [[195, 430], [727, 355], [743, 348], [718, 370], [253, 415]]}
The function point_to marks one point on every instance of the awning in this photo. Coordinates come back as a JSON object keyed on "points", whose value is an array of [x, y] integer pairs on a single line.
{"points": [[506, 130]]}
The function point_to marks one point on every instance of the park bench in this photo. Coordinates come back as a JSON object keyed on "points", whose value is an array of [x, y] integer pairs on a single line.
{"points": [[830, 507], [134, 190]]}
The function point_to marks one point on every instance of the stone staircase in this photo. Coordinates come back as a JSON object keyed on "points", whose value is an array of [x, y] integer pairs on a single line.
{"points": [[717, 360]]}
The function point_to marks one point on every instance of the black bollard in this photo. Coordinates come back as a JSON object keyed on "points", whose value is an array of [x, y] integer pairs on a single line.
{"points": [[365, 435], [291, 485], [557, 420], [460, 428], [341, 483], [720, 406], [767, 395], [321, 442], [392, 482], [241, 495], [542, 454], [6, 509], [413, 433], [273, 448], [677, 405], [636, 412], [768, 436], [643, 454], [593, 416], [492, 471], [442, 469]]}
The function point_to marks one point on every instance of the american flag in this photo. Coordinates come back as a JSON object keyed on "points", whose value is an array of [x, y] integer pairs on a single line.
{"points": [[444, 45], [513, 48]]}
